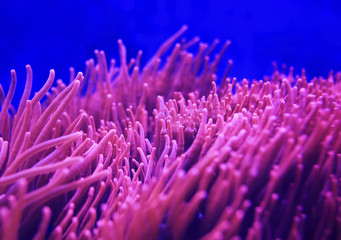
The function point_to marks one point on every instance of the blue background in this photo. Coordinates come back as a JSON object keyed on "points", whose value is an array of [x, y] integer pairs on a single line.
{"points": [[59, 34]]}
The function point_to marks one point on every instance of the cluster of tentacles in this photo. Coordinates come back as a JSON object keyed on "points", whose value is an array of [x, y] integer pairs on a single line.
{"points": [[161, 152]]}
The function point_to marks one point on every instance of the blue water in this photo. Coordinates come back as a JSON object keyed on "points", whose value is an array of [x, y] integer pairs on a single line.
{"points": [[59, 34]]}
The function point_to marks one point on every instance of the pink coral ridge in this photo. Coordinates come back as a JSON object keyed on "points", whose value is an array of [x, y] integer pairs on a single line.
{"points": [[161, 152]]}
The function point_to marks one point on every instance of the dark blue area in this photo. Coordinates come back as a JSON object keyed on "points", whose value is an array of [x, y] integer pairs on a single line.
{"points": [[59, 34]]}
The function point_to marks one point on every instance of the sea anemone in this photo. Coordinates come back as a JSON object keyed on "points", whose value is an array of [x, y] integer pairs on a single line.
{"points": [[163, 152]]}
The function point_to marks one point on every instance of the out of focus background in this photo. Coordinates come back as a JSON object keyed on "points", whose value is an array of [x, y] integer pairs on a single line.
{"points": [[59, 34]]}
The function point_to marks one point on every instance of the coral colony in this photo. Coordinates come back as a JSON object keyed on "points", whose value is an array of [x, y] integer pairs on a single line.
{"points": [[162, 152]]}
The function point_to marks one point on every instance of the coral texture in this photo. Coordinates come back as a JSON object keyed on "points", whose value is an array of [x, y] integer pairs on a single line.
{"points": [[162, 152]]}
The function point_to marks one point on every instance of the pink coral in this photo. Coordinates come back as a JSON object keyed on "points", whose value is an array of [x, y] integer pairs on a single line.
{"points": [[161, 152]]}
